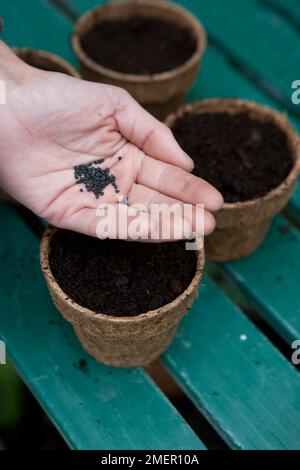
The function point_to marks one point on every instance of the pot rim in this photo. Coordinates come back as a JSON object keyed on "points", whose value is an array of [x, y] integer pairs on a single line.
{"points": [[196, 27], [40, 53], [235, 105], [93, 316]]}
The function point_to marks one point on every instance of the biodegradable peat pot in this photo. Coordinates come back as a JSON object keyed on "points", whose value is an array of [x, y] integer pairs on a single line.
{"points": [[45, 61], [242, 226], [126, 341], [160, 93]]}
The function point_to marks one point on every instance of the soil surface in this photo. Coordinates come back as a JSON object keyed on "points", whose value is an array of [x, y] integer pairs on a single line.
{"points": [[120, 278], [49, 68], [39, 64], [242, 157], [139, 45]]}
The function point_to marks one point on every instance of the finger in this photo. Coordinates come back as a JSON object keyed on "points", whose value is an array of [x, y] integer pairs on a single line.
{"points": [[146, 132], [179, 184], [121, 222], [201, 221], [113, 221]]}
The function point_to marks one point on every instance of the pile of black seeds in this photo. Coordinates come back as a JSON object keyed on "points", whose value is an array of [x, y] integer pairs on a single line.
{"points": [[242, 157], [94, 178], [120, 278], [139, 45]]}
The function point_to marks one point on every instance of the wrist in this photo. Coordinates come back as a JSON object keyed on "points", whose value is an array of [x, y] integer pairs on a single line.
{"points": [[12, 69], [13, 75]]}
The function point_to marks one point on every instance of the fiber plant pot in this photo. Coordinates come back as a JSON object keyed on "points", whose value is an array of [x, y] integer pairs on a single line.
{"points": [[121, 341], [241, 226], [160, 93], [45, 61]]}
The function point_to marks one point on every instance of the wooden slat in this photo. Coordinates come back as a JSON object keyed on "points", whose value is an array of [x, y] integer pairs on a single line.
{"points": [[80, 6], [270, 278], [207, 357], [245, 387], [289, 9], [36, 25], [257, 35], [294, 205], [93, 406]]}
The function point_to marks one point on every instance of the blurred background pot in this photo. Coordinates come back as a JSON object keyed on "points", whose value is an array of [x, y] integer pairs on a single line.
{"points": [[160, 93], [242, 226], [45, 61]]}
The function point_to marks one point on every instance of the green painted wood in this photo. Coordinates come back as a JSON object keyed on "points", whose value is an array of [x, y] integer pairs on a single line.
{"points": [[94, 407], [217, 76], [47, 354], [270, 278], [36, 25], [245, 387], [256, 34], [80, 6], [220, 78], [294, 205], [289, 9]]}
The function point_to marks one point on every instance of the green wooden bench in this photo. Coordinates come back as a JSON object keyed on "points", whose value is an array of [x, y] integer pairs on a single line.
{"points": [[234, 366]]}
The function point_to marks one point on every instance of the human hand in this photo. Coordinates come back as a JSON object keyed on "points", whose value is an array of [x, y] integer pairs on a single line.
{"points": [[53, 123]]}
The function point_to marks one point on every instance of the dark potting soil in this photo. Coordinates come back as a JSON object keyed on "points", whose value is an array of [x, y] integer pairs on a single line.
{"points": [[39, 64], [242, 157], [139, 45], [49, 68], [120, 278]]}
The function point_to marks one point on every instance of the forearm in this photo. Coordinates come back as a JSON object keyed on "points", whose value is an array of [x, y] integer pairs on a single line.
{"points": [[13, 74]]}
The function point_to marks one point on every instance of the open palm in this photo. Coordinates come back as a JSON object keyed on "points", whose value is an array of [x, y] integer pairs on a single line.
{"points": [[55, 122]]}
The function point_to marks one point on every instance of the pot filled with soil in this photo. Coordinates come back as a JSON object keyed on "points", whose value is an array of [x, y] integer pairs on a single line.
{"points": [[124, 299], [45, 61], [152, 49], [251, 154]]}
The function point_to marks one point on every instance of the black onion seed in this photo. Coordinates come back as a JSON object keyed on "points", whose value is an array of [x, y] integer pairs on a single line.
{"points": [[95, 179]]}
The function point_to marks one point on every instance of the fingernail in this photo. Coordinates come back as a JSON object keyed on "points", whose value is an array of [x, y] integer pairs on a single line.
{"points": [[191, 162], [219, 202]]}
